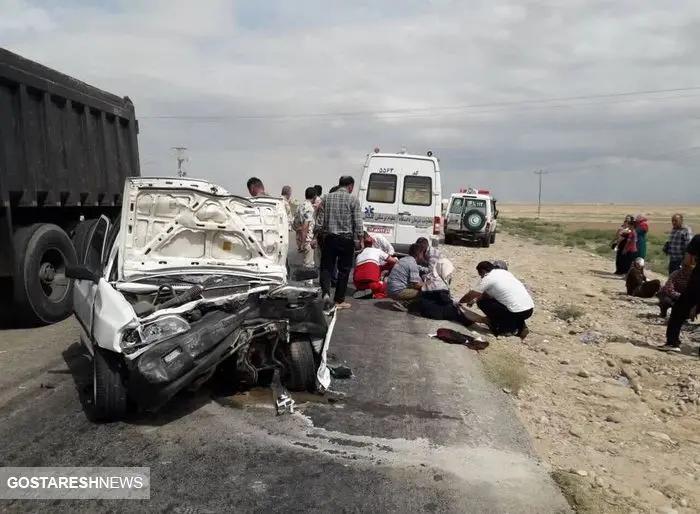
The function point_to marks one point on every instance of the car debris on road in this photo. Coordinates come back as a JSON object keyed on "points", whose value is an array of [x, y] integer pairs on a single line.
{"points": [[190, 280]]}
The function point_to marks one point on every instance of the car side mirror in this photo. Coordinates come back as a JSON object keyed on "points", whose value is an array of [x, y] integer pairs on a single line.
{"points": [[81, 273]]}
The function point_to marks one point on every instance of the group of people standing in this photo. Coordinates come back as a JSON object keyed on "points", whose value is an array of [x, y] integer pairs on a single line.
{"points": [[681, 292], [630, 243]]}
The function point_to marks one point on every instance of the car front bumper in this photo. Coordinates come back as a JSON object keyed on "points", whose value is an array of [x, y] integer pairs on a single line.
{"points": [[466, 235], [171, 365]]}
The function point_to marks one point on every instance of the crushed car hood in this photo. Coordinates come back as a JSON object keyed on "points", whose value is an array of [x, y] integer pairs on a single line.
{"points": [[173, 224]]}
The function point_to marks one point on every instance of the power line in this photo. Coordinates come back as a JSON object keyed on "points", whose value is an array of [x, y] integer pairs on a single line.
{"points": [[417, 110]]}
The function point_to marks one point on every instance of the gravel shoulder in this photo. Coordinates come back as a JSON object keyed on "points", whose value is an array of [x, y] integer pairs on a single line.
{"points": [[617, 420]]}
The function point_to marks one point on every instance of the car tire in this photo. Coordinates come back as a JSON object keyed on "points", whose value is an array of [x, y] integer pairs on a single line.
{"points": [[449, 239], [109, 397], [493, 237], [42, 294], [301, 375], [486, 242], [81, 237], [474, 220]]}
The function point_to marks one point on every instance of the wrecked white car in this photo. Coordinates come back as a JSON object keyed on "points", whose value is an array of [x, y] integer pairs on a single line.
{"points": [[188, 278]]}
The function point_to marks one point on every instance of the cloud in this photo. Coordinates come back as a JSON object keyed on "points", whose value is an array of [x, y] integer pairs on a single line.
{"points": [[271, 76]]}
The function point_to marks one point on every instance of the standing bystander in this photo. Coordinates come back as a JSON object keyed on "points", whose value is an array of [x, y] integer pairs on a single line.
{"points": [[303, 225], [678, 240], [255, 187], [687, 304], [287, 196], [339, 218]]}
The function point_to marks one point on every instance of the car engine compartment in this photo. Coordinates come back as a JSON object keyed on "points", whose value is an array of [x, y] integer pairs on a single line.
{"points": [[255, 334]]}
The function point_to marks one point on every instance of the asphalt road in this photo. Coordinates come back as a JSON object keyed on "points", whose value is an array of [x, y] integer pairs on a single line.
{"points": [[417, 429]]}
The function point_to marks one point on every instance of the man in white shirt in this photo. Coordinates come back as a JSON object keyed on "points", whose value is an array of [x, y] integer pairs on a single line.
{"points": [[378, 241], [504, 300]]}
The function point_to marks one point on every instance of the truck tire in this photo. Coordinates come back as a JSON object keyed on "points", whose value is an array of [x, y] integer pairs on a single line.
{"points": [[109, 398], [41, 291], [81, 237], [301, 375]]}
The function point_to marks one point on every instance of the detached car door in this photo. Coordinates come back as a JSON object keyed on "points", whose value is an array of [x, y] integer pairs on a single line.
{"points": [[84, 291]]}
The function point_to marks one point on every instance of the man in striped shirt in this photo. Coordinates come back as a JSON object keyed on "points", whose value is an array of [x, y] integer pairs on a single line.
{"points": [[677, 242], [339, 219]]}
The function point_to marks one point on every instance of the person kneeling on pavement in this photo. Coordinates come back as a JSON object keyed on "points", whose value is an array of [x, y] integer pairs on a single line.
{"points": [[674, 287], [637, 283], [504, 300], [370, 263], [405, 282]]}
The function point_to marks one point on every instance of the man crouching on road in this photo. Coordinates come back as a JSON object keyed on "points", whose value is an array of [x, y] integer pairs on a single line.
{"points": [[405, 282], [504, 300]]}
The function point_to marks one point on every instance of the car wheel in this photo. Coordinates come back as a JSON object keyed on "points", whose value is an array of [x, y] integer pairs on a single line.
{"points": [[301, 375], [109, 398], [474, 220], [486, 242], [42, 293], [449, 239], [493, 238]]}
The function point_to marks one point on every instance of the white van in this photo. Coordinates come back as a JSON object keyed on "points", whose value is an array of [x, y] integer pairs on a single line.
{"points": [[400, 196]]}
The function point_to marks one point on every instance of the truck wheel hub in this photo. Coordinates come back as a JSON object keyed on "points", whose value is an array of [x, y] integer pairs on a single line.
{"points": [[47, 272]]}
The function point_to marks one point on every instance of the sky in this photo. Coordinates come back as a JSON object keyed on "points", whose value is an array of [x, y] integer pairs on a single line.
{"points": [[299, 92]]}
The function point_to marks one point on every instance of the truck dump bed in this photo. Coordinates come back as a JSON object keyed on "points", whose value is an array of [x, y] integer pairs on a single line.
{"points": [[63, 143]]}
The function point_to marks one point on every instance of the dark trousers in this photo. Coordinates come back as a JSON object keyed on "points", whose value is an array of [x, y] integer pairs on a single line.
{"points": [[336, 251], [674, 264], [648, 289], [619, 258], [501, 320], [681, 310], [439, 305]]}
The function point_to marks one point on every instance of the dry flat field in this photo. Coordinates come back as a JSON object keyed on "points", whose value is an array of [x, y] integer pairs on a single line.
{"points": [[604, 216]]}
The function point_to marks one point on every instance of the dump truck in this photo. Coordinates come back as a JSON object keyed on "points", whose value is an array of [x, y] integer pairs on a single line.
{"points": [[66, 149]]}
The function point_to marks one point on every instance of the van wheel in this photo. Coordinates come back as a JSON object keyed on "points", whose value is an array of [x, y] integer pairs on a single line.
{"points": [[302, 368], [493, 238], [486, 242], [42, 293], [109, 398]]}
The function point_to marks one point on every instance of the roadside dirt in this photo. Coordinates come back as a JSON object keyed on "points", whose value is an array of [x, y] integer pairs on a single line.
{"points": [[617, 420]]}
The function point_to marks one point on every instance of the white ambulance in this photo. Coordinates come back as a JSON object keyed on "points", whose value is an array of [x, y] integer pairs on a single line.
{"points": [[400, 195]]}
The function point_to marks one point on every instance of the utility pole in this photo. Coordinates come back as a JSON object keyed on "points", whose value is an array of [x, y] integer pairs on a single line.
{"points": [[539, 196], [180, 156]]}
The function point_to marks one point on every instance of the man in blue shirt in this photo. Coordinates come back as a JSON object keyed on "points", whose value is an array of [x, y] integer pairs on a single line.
{"points": [[404, 283]]}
